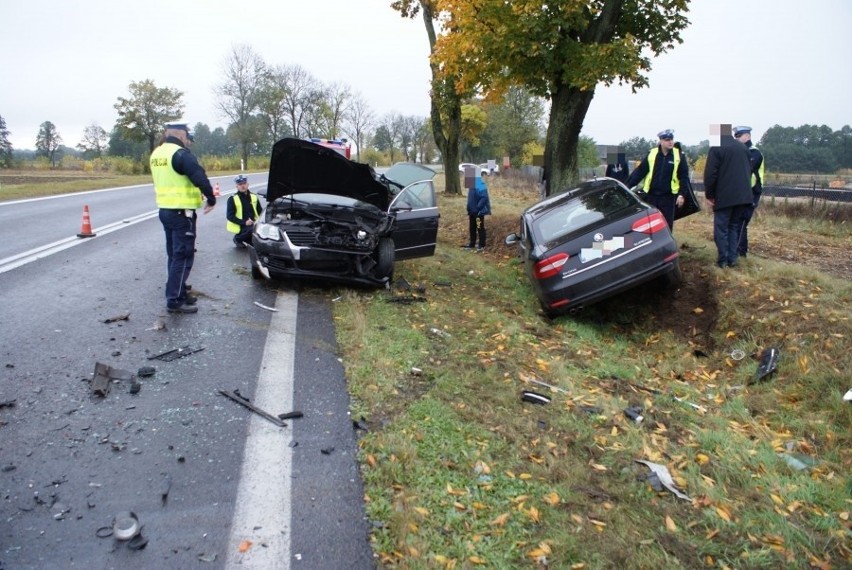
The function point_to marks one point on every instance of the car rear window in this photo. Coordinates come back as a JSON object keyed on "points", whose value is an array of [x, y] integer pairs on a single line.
{"points": [[584, 210]]}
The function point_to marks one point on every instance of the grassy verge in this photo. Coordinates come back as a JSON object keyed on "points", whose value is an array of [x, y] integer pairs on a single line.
{"points": [[460, 472]]}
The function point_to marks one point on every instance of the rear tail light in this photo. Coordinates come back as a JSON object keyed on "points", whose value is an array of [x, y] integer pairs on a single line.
{"points": [[651, 224], [550, 266]]}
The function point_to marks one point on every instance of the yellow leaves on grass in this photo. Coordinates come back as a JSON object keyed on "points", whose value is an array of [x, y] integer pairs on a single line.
{"points": [[702, 459], [540, 552], [697, 310], [552, 499], [500, 520], [670, 525]]}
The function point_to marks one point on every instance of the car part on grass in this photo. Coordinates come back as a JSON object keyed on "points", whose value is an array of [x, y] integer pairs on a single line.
{"points": [[634, 413], [701, 409], [175, 353], [737, 354], [244, 402], [768, 363], [104, 376], [534, 398], [847, 396], [546, 385], [125, 525], [662, 473]]}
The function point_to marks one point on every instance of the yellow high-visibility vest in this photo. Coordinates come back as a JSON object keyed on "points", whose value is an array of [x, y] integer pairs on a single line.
{"points": [[652, 157], [174, 191], [238, 205]]}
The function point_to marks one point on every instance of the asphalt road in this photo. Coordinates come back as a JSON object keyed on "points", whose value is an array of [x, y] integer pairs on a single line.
{"points": [[212, 483]]}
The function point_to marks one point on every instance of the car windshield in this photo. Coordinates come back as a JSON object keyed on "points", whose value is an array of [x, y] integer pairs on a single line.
{"points": [[584, 210], [405, 173]]}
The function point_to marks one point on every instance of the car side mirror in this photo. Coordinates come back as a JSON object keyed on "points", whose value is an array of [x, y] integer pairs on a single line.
{"points": [[512, 239]]}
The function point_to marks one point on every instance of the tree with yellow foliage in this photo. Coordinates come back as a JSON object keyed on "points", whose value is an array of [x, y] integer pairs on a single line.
{"points": [[560, 50]]}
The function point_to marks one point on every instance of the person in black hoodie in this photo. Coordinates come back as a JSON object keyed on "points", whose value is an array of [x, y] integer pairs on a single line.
{"points": [[727, 187]]}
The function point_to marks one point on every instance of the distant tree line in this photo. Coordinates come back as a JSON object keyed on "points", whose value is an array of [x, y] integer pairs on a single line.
{"points": [[805, 149]]}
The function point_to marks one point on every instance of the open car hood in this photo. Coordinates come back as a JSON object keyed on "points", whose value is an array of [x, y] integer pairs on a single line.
{"points": [[298, 166]]}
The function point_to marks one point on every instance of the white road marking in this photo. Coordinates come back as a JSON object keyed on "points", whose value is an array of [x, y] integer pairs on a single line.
{"points": [[262, 514], [17, 260]]}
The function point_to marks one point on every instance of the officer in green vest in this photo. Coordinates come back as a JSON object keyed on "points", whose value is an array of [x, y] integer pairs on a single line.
{"points": [[243, 209], [743, 134], [179, 182], [664, 174]]}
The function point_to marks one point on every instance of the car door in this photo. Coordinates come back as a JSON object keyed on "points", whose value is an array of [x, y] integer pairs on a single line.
{"points": [[415, 232]]}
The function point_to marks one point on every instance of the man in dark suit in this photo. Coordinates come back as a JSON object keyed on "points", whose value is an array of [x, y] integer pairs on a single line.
{"points": [[727, 187]]}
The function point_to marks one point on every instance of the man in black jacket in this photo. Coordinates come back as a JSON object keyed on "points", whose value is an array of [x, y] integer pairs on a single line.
{"points": [[727, 187]]}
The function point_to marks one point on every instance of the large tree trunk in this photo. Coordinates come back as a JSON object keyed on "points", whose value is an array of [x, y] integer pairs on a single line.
{"points": [[567, 111], [445, 113]]}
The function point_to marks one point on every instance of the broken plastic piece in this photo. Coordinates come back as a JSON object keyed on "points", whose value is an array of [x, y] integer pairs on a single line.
{"points": [[289, 415], [634, 413], [146, 371], [274, 310], [546, 385], [138, 542], [125, 526], [737, 354], [768, 363], [662, 473], [848, 396], [535, 398]]}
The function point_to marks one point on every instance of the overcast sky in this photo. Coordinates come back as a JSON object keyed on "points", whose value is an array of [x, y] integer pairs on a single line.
{"points": [[757, 62]]}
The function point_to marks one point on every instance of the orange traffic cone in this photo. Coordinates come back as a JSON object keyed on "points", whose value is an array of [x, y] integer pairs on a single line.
{"points": [[86, 231], [216, 189]]}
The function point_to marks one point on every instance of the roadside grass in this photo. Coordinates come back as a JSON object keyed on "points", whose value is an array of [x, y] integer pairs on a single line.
{"points": [[459, 472], [22, 184]]}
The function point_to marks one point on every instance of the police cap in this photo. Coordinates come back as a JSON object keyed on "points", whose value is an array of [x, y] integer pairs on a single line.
{"points": [[240, 179], [666, 134], [741, 130]]}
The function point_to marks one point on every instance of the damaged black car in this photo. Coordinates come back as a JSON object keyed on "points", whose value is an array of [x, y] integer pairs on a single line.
{"points": [[331, 219]]}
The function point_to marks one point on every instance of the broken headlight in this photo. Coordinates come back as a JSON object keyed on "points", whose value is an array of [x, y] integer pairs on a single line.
{"points": [[268, 231]]}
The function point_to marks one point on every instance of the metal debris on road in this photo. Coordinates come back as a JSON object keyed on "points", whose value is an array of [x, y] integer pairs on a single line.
{"points": [[273, 309], [104, 376], [124, 317], [244, 402], [175, 353]]}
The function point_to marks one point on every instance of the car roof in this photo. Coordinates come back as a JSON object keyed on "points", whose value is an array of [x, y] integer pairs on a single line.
{"points": [[298, 166], [582, 189]]}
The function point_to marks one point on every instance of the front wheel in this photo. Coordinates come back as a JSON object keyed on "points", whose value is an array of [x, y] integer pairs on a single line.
{"points": [[385, 258]]}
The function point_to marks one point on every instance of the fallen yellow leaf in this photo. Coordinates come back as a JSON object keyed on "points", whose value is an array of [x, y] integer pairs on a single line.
{"points": [[422, 511], [477, 560], [670, 524], [500, 520], [697, 310], [552, 499]]}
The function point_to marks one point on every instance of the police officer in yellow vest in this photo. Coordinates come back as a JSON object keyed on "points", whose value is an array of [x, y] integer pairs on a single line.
{"points": [[665, 174], [243, 210], [743, 134], [179, 182]]}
